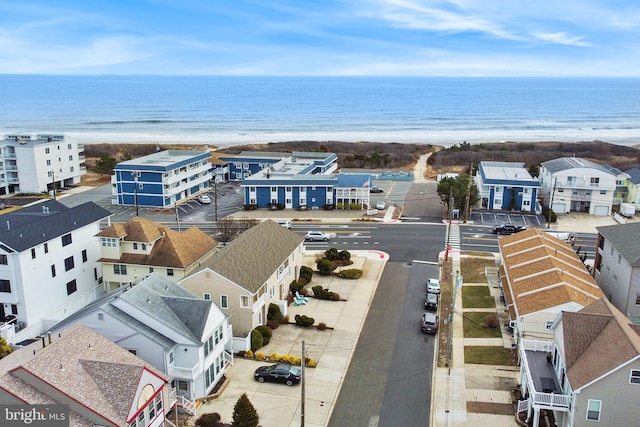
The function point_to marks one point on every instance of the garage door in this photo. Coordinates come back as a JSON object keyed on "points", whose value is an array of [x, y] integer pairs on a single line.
{"points": [[601, 210], [559, 208]]}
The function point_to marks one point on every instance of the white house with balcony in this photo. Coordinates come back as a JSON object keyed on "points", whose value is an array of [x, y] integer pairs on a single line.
{"points": [[588, 374], [48, 266], [39, 163], [167, 326], [253, 271], [161, 179], [572, 184]]}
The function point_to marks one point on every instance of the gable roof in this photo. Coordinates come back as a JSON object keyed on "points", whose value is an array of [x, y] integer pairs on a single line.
{"points": [[568, 163], [170, 304], [252, 257], [624, 238], [588, 335], [541, 271], [634, 175], [172, 249], [88, 368], [39, 223]]}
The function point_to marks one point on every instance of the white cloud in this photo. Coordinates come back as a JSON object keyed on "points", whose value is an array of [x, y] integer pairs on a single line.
{"points": [[562, 38]]}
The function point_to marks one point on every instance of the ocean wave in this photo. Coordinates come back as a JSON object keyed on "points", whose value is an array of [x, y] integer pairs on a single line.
{"points": [[135, 122]]}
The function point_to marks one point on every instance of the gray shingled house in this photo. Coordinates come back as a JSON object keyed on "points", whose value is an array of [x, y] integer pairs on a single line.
{"points": [[253, 271]]}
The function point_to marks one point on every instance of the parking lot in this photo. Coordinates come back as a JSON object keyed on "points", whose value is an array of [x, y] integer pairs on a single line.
{"points": [[488, 218]]}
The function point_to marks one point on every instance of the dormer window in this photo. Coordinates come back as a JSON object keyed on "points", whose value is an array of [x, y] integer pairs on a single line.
{"points": [[635, 376]]}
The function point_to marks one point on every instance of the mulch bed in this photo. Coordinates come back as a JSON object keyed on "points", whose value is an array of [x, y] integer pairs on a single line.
{"points": [[490, 408]]}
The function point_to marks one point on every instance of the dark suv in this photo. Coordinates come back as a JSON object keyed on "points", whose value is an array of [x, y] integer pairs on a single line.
{"points": [[431, 302], [507, 229], [429, 323]]}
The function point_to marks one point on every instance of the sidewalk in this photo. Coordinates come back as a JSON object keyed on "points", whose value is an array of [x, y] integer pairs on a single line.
{"points": [[279, 405]]}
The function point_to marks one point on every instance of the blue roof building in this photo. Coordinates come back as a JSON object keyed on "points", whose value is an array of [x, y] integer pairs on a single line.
{"points": [[507, 186], [161, 179]]}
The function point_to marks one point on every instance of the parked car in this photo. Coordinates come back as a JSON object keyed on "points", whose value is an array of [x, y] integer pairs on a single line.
{"points": [[433, 286], [376, 190], [284, 222], [431, 302], [316, 236], [381, 205], [203, 198], [279, 373], [429, 323], [507, 229]]}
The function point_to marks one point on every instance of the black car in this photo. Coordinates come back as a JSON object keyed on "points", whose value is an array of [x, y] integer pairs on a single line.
{"points": [[279, 373], [376, 190], [507, 229]]}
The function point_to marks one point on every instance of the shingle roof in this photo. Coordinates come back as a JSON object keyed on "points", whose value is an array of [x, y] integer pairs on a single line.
{"points": [[624, 238], [634, 175], [170, 304], [567, 163], [588, 337], [98, 374], [171, 249], [541, 271], [254, 255], [34, 225]]}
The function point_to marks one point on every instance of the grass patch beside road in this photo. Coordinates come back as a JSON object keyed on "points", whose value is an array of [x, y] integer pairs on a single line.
{"points": [[472, 269], [473, 326], [477, 297], [488, 355]]}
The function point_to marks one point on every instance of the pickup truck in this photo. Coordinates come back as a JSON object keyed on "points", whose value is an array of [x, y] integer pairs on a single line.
{"points": [[507, 228]]}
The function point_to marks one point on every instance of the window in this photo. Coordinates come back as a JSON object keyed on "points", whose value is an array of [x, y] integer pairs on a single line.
{"points": [[48, 162], [68, 263], [4, 260], [274, 189], [5, 285], [84, 255], [100, 316], [69, 147], [169, 271], [33, 253], [206, 296], [637, 299], [150, 270], [151, 407], [603, 191], [119, 269], [594, 182], [66, 239], [635, 376], [46, 248], [70, 158], [593, 409], [143, 247], [224, 301], [252, 189], [53, 270], [244, 301], [619, 258], [171, 357], [71, 287], [14, 309], [158, 401], [46, 150], [142, 421], [548, 324], [135, 246], [132, 351]]}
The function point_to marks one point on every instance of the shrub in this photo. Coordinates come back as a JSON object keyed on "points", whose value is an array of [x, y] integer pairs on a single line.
{"points": [[260, 356], [311, 363], [274, 357], [322, 326], [491, 321], [344, 255], [244, 414], [325, 266], [306, 273], [328, 207], [248, 354], [304, 321], [273, 324], [287, 359], [295, 286], [351, 273], [332, 254], [274, 313], [250, 207], [321, 293], [297, 361], [208, 420], [266, 334], [256, 340], [549, 214]]}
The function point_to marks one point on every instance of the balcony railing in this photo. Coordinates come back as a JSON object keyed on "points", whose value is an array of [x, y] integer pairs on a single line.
{"points": [[558, 402], [184, 372], [258, 304]]}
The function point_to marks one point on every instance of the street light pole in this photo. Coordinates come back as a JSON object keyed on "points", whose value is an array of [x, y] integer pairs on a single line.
{"points": [[446, 252], [136, 175]]}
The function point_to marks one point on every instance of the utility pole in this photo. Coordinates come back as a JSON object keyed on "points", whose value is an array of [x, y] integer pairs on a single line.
{"points": [[136, 175], [304, 362], [55, 189], [215, 197], [175, 205], [457, 284], [553, 192], [466, 207], [446, 252]]}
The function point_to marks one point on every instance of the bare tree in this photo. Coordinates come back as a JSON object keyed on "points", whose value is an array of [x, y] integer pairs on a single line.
{"points": [[229, 227]]}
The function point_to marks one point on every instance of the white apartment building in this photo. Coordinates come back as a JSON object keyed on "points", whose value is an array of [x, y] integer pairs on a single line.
{"points": [[39, 163], [48, 265], [572, 184]]}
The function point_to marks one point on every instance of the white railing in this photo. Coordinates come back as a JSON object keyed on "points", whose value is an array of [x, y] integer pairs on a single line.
{"points": [[556, 401], [228, 357], [523, 405], [536, 345], [183, 372], [258, 304], [187, 405], [172, 397]]}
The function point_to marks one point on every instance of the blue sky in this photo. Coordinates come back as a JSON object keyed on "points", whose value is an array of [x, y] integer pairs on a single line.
{"points": [[322, 37]]}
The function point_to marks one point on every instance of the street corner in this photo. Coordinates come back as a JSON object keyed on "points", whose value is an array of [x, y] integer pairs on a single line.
{"points": [[375, 255]]}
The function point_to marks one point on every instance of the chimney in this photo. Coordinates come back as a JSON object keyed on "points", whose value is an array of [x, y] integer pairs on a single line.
{"points": [[49, 337], [44, 344]]}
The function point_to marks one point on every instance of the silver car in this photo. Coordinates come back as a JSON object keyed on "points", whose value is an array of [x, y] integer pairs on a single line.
{"points": [[316, 236]]}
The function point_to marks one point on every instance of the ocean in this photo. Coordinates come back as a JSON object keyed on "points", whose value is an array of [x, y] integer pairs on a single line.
{"points": [[222, 111]]}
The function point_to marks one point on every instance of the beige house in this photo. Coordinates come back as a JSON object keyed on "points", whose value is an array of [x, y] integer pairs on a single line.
{"points": [[589, 374], [138, 247], [253, 271], [542, 276], [103, 384]]}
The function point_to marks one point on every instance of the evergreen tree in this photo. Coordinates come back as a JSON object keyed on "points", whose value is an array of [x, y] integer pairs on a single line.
{"points": [[244, 414]]}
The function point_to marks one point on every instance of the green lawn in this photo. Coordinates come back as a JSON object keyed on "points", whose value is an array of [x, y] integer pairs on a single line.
{"points": [[485, 355], [473, 326], [477, 297]]}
